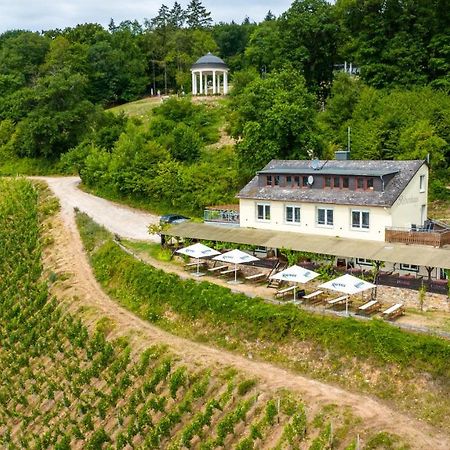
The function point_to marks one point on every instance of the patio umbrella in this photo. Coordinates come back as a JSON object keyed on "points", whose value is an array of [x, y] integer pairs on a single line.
{"points": [[295, 274], [347, 284], [236, 257], [198, 251]]}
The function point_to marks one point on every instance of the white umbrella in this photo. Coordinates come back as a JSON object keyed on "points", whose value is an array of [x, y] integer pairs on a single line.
{"points": [[347, 284], [198, 251], [236, 257], [296, 274]]}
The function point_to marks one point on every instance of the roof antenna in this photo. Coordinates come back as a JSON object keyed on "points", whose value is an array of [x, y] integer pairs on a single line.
{"points": [[349, 130]]}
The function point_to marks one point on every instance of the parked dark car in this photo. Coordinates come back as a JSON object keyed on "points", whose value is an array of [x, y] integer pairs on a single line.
{"points": [[173, 218]]}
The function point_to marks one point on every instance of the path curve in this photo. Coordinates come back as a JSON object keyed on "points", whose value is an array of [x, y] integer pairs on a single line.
{"points": [[113, 216], [67, 255]]}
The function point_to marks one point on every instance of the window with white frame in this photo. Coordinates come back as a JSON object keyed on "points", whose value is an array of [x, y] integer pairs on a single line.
{"points": [[422, 183], [263, 211], [363, 261], [360, 220], [409, 267], [292, 214], [325, 216]]}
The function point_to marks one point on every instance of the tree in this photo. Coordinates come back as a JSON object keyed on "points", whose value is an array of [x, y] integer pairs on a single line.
{"points": [[275, 118], [197, 16], [176, 16], [186, 145]]}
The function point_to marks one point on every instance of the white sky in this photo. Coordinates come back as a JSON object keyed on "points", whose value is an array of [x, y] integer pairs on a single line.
{"points": [[38, 15]]}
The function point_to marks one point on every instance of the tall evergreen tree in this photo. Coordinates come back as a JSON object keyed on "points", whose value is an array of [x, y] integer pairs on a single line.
{"points": [[162, 19], [197, 16], [176, 16]]}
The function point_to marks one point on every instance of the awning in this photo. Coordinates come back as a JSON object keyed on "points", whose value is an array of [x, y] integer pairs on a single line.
{"points": [[421, 255]]}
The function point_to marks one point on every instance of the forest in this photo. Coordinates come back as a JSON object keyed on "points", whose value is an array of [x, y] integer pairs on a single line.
{"points": [[289, 97]]}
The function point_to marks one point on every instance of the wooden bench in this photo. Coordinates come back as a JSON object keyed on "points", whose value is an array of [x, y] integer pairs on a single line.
{"points": [[194, 264], [281, 293], [217, 268], [256, 276], [313, 296], [393, 311], [338, 300], [228, 271], [370, 307]]}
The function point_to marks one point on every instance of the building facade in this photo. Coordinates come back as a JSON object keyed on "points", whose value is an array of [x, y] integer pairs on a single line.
{"points": [[349, 199]]}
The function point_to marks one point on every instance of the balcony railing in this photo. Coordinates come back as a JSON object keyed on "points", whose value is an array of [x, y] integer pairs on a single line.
{"points": [[217, 214], [417, 236]]}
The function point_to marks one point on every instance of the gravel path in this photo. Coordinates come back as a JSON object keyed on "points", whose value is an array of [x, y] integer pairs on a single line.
{"points": [[119, 219]]}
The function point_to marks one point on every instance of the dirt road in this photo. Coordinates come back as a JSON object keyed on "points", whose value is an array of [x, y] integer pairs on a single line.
{"points": [[126, 222], [81, 289]]}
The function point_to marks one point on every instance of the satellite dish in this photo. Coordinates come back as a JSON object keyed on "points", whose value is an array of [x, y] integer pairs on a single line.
{"points": [[310, 180], [315, 164]]}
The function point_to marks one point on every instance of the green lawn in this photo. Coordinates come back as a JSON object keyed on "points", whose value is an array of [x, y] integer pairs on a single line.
{"points": [[139, 108]]}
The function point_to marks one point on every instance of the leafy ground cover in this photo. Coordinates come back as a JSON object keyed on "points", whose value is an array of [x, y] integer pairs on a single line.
{"points": [[67, 387], [365, 356]]}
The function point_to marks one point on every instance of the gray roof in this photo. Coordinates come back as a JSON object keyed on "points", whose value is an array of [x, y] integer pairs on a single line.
{"points": [[402, 173], [209, 61]]}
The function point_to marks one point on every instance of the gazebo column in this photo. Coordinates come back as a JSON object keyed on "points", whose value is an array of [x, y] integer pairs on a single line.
{"points": [[201, 82], [194, 87], [205, 81], [214, 82], [225, 82], [218, 84]]}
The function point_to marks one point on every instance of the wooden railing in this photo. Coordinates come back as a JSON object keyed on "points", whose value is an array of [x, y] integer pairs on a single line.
{"points": [[405, 236]]}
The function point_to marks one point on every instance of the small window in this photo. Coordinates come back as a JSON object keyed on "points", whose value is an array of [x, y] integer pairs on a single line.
{"points": [[336, 182], [277, 180], [288, 179], [269, 180], [263, 211], [360, 183], [327, 182], [369, 183], [297, 181], [360, 219], [345, 182], [324, 216], [293, 214], [409, 267], [363, 261], [305, 181], [422, 183]]}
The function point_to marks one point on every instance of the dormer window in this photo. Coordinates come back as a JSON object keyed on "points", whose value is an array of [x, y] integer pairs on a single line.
{"points": [[269, 180], [345, 182], [305, 181], [328, 182], [297, 181], [369, 183], [336, 182], [277, 180], [288, 180], [360, 183]]}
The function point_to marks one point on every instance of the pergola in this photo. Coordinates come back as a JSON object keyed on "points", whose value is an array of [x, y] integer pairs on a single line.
{"points": [[209, 67]]}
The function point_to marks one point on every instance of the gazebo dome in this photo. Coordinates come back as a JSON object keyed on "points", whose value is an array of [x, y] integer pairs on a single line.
{"points": [[209, 61]]}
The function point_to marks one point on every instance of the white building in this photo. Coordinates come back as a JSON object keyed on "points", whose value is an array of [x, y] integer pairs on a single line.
{"points": [[209, 76], [349, 199]]}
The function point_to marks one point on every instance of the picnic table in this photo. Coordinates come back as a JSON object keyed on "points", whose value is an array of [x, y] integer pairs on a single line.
{"points": [[393, 311], [256, 276], [217, 268], [194, 264], [283, 292], [313, 296], [369, 307], [338, 300]]}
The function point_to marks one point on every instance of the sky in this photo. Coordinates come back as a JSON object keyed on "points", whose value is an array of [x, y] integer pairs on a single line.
{"points": [[38, 15]]}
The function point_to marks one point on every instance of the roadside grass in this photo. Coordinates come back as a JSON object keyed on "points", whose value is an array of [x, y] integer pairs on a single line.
{"points": [[29, 166], [151, 249], [408, 370]]}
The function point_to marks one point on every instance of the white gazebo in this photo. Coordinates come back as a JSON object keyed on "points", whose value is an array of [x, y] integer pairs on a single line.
{"points": [[206, 68]]}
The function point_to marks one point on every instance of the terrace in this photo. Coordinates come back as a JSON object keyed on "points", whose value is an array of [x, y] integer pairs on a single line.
{"points": [[222, 214], [434, 233]]}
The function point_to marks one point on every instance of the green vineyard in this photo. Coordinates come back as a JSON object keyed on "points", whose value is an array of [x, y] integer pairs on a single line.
{"points": [[64, 386]]}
